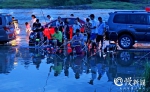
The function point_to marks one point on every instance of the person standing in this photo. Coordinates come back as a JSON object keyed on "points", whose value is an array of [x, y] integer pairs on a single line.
{"points": [[67, 30], [60, 24], [88, 29], [101, 30], [33, 20], [38, 28], [78, 21], [93, 30], [50, 18], [75, 27]]}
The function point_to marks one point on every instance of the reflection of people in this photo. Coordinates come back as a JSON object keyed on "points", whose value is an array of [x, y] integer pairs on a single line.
{"points": [[77, 66], [93, 69], [58, 66], [37, 59], [66, 66]]}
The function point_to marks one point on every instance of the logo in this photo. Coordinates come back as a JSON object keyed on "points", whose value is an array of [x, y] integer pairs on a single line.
{"points": [[130, 83]]}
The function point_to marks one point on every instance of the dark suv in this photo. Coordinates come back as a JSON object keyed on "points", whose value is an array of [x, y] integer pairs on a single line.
{"points": [[128, 27]]}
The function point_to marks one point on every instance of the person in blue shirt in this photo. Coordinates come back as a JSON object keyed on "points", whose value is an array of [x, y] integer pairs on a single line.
{"points": [[101, 30], [78, 38]]}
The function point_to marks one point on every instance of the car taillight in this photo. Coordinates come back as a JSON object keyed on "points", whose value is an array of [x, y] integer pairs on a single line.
{"points": [[6, 28]]}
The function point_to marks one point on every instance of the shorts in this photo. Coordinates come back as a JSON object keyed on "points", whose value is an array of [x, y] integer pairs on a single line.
{"points": [[53, 41], [93, 36], [99, 38]]}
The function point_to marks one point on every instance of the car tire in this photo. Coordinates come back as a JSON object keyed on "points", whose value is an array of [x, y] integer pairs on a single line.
{"points": [[125, 42], [125, 58]]}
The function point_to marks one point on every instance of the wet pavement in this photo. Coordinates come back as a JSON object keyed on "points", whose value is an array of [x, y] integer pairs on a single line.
{"points": [[24, 69]]}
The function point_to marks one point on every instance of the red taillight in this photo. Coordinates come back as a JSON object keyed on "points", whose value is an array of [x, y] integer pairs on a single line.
{"points": [[6, 28], [147, 9]]}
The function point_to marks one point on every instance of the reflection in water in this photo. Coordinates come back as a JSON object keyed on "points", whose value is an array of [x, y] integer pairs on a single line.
{"points": [[7, 59], [99, 67]]}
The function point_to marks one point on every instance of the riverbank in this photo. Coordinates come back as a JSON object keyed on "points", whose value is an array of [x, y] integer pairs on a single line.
{"points": [[94, 5]]}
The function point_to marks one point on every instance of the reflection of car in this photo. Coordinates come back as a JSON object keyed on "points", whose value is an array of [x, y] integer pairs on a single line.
{"points": [[7, 30], [7, 59], [127, 58], [50, 30], [129, 27]]}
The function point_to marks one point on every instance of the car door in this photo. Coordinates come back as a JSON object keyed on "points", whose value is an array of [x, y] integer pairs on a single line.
{"points": [[137, 23], [148, 28]]}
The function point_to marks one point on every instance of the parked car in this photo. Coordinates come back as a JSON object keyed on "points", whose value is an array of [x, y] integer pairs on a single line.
{"points": [[49, 27], [6, 28], [128, 27]]}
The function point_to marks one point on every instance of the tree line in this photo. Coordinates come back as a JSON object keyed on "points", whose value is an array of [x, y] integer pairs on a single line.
{"points": [[78, 2]]}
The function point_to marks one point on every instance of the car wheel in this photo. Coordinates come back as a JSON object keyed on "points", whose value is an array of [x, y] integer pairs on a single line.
{"points": [[125, 58], [125, 41]]}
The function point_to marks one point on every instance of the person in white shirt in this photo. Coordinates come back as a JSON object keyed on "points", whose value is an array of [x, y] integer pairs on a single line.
{"points": [[101, 30], [93, 29], [50, 18], [78, 21], [33, 20], [60, 24], [75, 27]]}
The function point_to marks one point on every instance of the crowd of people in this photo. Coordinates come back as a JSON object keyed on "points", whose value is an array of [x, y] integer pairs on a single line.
{"points": [[95, 31]]}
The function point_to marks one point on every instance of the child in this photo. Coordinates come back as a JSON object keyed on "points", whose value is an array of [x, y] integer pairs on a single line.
{"points": [[28, 28]]}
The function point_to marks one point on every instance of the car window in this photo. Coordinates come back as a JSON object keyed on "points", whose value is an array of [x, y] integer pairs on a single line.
{"points": [[0, 21], [8, 21], [53, 23], [71, 21], [120, 18], [137, 19]]}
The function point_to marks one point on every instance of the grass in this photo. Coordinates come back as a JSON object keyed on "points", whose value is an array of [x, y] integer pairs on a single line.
{"points": [[46, 4], [117, 5], [146, 75], [24, 4]]}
